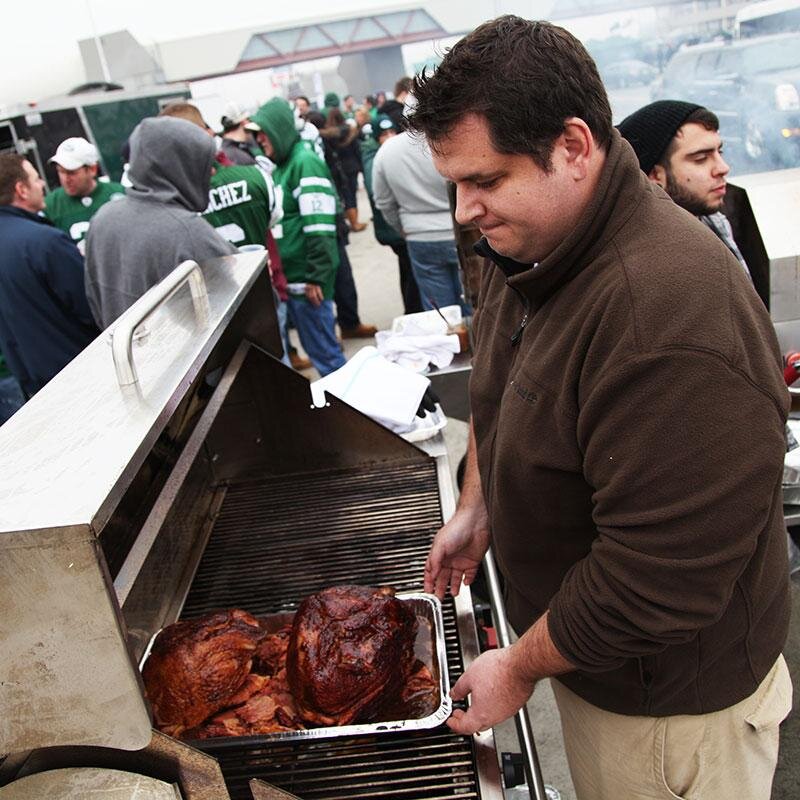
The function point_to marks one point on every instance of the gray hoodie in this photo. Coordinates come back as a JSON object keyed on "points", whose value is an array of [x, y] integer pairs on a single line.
{"points": [[156, 225]]}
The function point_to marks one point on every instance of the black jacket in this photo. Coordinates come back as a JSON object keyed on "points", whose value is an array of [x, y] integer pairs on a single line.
{"points": [[44, 317]]}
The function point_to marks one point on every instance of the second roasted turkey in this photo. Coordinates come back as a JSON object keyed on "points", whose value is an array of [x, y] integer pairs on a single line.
{"points": [[351, 652]]}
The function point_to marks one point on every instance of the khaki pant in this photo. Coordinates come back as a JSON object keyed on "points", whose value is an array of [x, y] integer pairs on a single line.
{"points": [[727, 755]]}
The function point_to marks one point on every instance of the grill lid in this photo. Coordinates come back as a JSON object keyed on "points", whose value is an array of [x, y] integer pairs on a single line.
{"points": [[66, 459], [66, 455]]}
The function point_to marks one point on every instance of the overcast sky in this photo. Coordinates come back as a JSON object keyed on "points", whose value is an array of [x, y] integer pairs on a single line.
{"points": [[40, 55]]}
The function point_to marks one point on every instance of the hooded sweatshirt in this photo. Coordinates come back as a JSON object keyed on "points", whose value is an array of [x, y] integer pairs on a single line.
{"points": [[138, 240], [307, 237], [384, 232]]}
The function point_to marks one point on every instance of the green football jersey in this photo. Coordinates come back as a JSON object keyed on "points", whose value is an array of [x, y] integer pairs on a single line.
{"points": [[309, 212], [241, 204], [72, 214]]}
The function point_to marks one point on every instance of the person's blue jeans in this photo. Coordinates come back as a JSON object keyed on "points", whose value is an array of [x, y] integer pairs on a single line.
{"points": [[435, 266], [315, 327], [11, 397], [283, 314]]}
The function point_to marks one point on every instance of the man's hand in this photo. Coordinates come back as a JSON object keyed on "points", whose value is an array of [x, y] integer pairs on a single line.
{"points": [[457, 551], [314, 294], [460, 545], [498, 689], [501, 681]]}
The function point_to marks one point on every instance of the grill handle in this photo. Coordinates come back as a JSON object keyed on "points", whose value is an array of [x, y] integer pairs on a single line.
{"points": [[530, 760], [122, 334]]}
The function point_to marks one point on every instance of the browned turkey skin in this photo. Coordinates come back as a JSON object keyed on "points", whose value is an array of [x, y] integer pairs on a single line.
{"points": [[196, 667], [263, 704], [351, 652]]}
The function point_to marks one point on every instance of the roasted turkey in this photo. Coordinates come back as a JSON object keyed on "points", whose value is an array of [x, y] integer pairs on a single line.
{"points": [[351, 652], [200, 666], [347, 657]]}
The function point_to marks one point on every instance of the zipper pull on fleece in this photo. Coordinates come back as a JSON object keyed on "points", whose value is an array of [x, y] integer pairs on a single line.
{"points": [[524, 321], [518, 333]]}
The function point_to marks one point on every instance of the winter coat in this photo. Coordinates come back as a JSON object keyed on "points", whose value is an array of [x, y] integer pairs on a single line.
{"points": [[44, 317]]}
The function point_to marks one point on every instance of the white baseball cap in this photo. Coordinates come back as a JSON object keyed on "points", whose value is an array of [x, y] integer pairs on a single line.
{"points": [[75, 152], [234, 115]]}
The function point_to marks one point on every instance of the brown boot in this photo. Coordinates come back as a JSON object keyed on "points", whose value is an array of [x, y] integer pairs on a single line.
{"points": [[297, 361], [352, 220], [361, 331]]}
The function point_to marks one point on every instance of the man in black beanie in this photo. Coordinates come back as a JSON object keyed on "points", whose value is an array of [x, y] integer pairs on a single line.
{"points": [[679, 148]]}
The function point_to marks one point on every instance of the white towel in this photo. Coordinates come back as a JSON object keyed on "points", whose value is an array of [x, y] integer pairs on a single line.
{"points": [[425, 322], [417, 352], [384, 391]]}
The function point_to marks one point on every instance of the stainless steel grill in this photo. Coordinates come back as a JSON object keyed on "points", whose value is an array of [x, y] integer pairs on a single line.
{"points": [[364, 526], [213, 482]]}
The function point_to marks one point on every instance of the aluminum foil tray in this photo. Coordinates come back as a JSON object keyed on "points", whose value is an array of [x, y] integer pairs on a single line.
{"points": [[429, 648]]}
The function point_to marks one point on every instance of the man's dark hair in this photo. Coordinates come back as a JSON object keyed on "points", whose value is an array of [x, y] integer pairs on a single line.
{"points": [[701, 116], [11, 173], [404, 84], [303, 97], [370, 98], [525, 77]]}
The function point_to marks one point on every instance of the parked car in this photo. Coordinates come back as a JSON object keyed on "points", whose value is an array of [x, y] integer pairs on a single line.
{"points": [[630, 72], [753, 86]]}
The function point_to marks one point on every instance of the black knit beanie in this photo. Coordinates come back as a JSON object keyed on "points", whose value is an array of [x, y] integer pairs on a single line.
{"points": [[650, 129]]}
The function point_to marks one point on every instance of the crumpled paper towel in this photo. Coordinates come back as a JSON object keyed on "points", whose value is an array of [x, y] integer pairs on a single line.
{"points": [[384, 391]]}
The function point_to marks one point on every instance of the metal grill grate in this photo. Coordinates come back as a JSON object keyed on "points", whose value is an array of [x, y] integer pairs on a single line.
{"points": [[277, 541], [435, 765]]}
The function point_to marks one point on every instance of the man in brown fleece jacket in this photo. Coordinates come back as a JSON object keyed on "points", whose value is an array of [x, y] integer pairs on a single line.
{"points": [[627, 443]]}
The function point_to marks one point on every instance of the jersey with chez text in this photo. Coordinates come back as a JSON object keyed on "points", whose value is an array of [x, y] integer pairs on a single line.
{"points": [[241, 204]]}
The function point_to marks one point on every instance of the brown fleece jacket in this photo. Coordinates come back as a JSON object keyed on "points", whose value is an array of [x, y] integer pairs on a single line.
{"points": [[630, 446]]}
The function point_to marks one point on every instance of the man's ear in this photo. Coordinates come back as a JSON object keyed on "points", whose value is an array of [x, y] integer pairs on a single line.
{"points": [[21, 190], [658, 175], [578, 144]]}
